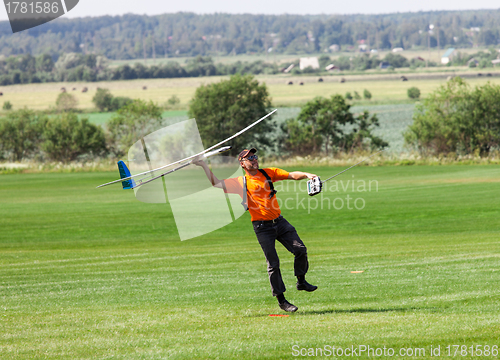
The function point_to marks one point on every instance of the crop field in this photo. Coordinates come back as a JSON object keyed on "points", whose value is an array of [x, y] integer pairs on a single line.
{"points": [[433, 55], [384, 91], [91, 273]]}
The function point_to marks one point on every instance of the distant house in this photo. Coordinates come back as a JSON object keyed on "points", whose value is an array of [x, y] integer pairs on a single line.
{"points": [[332, 67], [334, 48], [398, 49], [447, 56], [495, 62], [472, 61], [309, 62], [384, 65], [288, 69]]}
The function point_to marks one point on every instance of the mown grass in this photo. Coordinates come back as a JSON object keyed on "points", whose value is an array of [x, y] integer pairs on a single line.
{"points": [[89, 273]]}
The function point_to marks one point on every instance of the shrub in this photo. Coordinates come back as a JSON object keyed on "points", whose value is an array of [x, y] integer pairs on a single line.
{"points": [[118, 102], [66, 138], [357, 96], [66, 102], [103, 99], [457, 119], [223, 108], [413, 93], [396, 60], [7, 105], [328, 123], [173, 100], [367, 95], [132, 122], [348, 96], [21, 134]]}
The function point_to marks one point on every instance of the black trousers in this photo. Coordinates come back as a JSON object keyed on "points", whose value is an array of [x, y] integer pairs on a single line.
{"points": [[267, 234]]}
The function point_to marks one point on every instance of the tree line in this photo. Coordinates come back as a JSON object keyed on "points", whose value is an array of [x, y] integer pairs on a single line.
{"points": [[454, 120], [187, 34], [221, 109], [64, 137], [26, 69]]}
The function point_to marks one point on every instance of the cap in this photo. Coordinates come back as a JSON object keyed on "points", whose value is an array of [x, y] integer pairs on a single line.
{"points": [[245, 152]]}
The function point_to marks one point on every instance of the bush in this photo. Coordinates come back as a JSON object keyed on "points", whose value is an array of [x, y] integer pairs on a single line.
{"points": [[367, 95], [173, 100], [348, 96], [21, 134], [66, 102], [7, 105], [310, 70], [224, 108], [396, 60], [103, 99], [328, 123], [357, 96], [66, 138], [120, 101], [484, 63], [457, 119], [413, 93], [132, 122]]}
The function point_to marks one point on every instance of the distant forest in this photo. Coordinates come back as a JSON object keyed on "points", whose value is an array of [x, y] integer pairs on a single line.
{"points": [[187, 34]]}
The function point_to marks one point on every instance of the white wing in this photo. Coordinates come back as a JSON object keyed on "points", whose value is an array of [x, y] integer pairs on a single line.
{"points": [[193, 156]]}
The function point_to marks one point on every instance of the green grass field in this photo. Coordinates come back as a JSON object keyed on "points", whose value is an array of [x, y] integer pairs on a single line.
{"points": [[102, 118], [95, 274]]}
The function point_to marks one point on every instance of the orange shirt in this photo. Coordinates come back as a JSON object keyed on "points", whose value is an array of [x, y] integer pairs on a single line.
{"points": [[261, 207]]}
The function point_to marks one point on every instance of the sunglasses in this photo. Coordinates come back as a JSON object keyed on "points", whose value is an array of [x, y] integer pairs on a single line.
{"points": [[251, 157]]}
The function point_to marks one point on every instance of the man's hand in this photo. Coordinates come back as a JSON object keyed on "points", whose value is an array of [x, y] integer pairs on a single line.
{"points": [[198, 162]]}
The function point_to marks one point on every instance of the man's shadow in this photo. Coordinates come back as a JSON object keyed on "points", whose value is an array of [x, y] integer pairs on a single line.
{"points": [[357, 310], [350, 311]]}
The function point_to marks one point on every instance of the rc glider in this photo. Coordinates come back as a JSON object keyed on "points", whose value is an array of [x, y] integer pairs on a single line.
{"points": [[134, 181]]}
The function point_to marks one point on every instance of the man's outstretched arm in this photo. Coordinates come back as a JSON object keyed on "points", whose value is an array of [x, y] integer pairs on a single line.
{"points": [[299, 175], [210, 175]]}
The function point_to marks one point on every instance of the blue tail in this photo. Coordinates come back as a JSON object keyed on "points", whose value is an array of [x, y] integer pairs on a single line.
{"points": [[124, 173]]}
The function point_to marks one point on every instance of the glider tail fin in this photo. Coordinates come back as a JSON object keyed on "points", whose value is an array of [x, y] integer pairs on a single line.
{"points": [[124, 173]]}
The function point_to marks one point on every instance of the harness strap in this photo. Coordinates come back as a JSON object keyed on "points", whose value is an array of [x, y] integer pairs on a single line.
{"points": [[244, 202], [269, 182]]}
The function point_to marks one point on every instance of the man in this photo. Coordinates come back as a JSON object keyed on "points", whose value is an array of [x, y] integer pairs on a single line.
{"points": [[267, 221]]}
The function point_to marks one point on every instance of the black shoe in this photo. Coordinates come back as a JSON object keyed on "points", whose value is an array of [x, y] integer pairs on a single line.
{"points": [[306, 286], [285, 305]]}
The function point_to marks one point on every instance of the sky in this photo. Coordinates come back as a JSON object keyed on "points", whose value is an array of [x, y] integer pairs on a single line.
{"points": [[155, 7]]}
